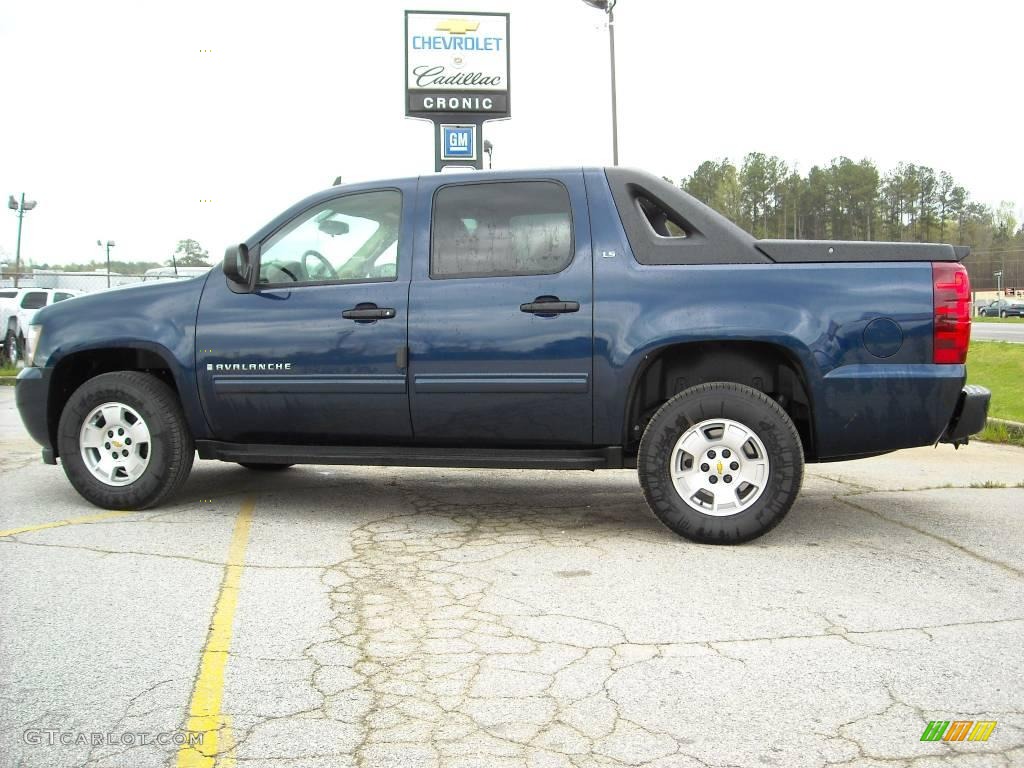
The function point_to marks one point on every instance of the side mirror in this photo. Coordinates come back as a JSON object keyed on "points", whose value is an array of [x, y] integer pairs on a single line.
{"points": [[237, 267]]}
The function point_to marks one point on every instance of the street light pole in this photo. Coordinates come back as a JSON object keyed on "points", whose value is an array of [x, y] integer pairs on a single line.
{"points": [[17, 249], [14, 205], [608, 6], [110, 244]]}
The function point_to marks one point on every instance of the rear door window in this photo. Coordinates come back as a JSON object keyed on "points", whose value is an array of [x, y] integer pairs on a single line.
{"points": [[501, 229]]}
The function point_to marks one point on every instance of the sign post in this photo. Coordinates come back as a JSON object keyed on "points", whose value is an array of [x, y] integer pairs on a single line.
{"points": [[457, 76]]}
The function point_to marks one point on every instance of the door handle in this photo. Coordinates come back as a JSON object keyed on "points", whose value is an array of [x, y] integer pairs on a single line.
{"points": [[550, 305], [368, 313]]}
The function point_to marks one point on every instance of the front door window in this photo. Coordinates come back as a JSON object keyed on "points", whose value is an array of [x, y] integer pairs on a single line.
{"points": [[348, 239]]}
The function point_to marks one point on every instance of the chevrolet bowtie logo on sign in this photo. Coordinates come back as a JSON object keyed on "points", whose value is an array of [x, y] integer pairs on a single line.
{"points": [[958, 730], [457, 26], [456, 64]]}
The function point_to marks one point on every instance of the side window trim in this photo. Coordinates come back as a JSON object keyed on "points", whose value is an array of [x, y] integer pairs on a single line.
{"points": [[431, 274], [257, 252]]}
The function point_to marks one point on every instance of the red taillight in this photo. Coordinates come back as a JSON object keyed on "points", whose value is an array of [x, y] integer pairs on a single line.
{"points": [[952, 305]]}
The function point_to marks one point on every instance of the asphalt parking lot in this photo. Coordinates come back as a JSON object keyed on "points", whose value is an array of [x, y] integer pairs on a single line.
{"points": [[340, 616]]}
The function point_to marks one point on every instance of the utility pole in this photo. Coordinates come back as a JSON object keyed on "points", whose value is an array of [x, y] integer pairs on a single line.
{"points": [[14, 205]]}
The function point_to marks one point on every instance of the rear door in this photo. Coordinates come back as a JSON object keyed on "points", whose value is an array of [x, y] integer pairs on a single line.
{"points": [[501, 313]]}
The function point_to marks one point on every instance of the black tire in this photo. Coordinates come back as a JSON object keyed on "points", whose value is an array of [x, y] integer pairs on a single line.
{"points": [[12, 349], [1003, 314], [172, 449], [264, 467], [757, 413]]}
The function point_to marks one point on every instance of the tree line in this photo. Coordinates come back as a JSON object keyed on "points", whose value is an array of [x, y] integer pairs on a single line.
{"points": [[848, 200], [188, 253]]}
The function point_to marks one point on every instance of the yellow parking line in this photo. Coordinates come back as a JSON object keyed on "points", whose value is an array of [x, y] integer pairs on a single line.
{"points": [[69, 521], [204, 715]]}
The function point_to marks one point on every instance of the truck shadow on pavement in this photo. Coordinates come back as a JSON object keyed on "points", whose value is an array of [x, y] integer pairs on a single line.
{"points": [[608, 503], [486, 494], [611, 501]]}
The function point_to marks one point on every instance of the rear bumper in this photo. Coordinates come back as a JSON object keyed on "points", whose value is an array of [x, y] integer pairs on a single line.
{"points": [[31, 392], [875, 408], [969, 416]]}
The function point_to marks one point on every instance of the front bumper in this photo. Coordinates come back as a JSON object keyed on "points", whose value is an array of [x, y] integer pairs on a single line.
{"points": [[969, 416], [31, 392]]}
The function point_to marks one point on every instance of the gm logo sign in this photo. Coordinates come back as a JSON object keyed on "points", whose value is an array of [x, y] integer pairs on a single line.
{"points": [[458, 142]]}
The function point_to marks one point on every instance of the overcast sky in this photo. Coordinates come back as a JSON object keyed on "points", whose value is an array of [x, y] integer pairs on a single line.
{"points": [[119, 126]]}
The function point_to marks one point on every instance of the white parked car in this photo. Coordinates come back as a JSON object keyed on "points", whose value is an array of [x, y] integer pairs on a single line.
{"points": [[18, 306], [157, 273]]}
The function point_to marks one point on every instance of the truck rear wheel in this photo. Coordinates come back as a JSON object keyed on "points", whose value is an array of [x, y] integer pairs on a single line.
{"points": [[720, 463], [123, 441]]}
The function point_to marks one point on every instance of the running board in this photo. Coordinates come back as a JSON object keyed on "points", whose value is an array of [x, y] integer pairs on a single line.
{"points": [[387, 456]]}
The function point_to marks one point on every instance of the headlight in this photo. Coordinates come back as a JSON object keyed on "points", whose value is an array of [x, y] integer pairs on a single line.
{"points": [[32, 344]]}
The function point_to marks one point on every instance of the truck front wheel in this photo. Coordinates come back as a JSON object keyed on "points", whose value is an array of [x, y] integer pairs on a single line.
{"points": [[124, 442], [12, 349], [720, 463]]}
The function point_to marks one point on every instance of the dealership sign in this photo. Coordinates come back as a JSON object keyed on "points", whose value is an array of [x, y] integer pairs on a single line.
{"points": [[458, 142], [456, 64]]}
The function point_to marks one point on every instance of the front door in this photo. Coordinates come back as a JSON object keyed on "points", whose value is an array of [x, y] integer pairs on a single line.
{"points": [[501, 310], [313, 355]]}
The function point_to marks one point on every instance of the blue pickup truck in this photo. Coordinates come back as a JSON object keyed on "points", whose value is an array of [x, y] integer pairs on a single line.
{"points": [[557, 319]]}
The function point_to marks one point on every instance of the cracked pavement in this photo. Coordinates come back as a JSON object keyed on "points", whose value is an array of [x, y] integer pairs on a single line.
{"points": [[419, 617]]}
